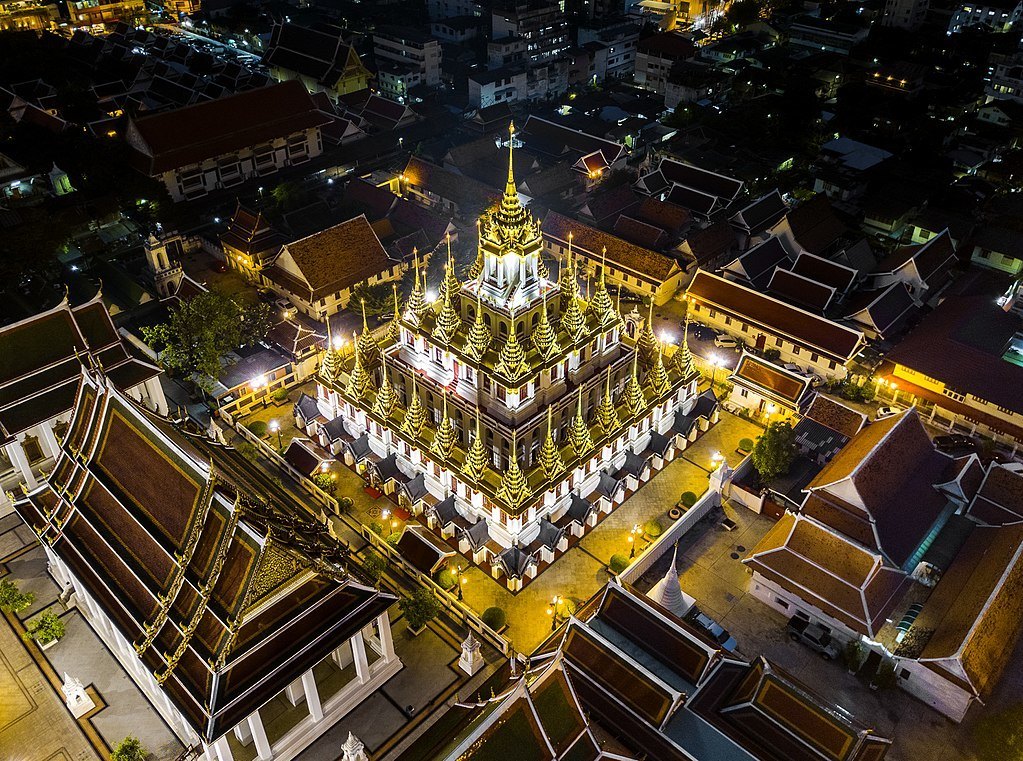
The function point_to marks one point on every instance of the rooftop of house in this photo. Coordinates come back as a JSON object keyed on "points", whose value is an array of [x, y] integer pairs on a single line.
{"points": [[184, 136]]}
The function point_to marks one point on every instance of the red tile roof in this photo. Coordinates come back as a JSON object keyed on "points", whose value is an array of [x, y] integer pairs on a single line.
{"points": [[777, 317], [184, 136], [623, 254], [777, 382], [814, 224]]}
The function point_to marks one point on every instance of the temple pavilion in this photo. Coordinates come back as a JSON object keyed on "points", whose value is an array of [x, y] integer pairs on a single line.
{"points": [[508, 410]]}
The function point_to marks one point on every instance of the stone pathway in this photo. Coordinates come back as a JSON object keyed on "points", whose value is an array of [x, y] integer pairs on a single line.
{"points": [[32, 710]]}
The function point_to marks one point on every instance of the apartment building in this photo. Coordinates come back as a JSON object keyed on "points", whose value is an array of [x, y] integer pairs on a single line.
{"points": [[406, 58]]}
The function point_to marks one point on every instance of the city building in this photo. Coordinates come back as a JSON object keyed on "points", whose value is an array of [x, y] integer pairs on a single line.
{"points": [[905, 14], [539, 29], [39, 374], [19, 15], [250, 242], [215, 602], [320, 60], [961, 366], [657, 56], [998, 16], [826, 35], [812, 342], [318, 273], [497, 403], [226, 142], [445, 9], [617, 39], [492, 86], [406, 58], [85, 13]]}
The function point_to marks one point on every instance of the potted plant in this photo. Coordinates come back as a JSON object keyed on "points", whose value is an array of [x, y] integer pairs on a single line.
{"points": [[279, 396], [46, 630], [374, 565], [129, 749], [653, 528], [12, 599], [745, 446], [496, 619], [446, 579], [344, 505], [419, 608]]}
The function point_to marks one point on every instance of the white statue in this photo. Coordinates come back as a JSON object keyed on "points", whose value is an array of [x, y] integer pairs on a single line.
{"points": [[78, 701], [471, 659], [353, 749]]}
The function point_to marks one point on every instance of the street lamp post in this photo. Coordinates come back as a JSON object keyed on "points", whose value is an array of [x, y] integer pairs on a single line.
{"points": [[716, 362], [632, 545], [275, 427], [460, 579], [553, 611]]}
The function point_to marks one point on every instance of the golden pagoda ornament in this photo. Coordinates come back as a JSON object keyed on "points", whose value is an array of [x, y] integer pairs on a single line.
{"points": [[451, 286], [366, 345], [682, 360], [415, 415], [478, 340], [568, 283], [607, 416], [572, 320], [360, 383], [657, 377], [545, 338], [394, 327], [386, 396], [600, 305], [511, 363], [646, 343], [448, 321], [548, 456], [476, 459], [514, 488], [578, 431], [330, 369], [633, 394], [476, 268], [444, 439], [417, 298]]}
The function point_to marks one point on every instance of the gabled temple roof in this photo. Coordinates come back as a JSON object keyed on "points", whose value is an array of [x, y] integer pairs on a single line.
{"points": [[134, 511]]}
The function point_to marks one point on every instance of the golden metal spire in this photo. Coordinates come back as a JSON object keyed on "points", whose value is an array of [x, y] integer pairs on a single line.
{"points": [[386, 396], [548, 456], [476, 460]]}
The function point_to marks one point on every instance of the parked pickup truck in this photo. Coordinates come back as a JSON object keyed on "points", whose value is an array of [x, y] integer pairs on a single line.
{"points": [[814, 636]]}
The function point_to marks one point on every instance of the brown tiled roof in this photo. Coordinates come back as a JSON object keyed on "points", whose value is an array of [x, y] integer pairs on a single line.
{"points": [[835, 415], [931, 259], [777, 382], [663, 214], [836, 275], [814, 224], [550, 137], [611, 203], [837, 576], [623, 254], [251, 233], [640, 233], [1000, 498], [700, 180], [961, 344], [710, 242], [189, 135], [800, 290], [338, 257], [892, 463], [976, 610], [463, 191], [810, 330]]}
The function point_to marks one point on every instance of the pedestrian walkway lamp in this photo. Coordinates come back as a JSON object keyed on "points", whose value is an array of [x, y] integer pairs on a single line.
{"points": [[275, 427], [460, 579], [716, 362]]}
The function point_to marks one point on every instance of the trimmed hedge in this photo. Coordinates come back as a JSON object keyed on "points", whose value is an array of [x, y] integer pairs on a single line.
{"points": [[688, 499], [653, 528], [618, 563], [495, 618], [257, 427]]}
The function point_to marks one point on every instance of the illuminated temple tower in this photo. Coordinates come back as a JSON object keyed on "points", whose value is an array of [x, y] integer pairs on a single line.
{"points": [[507, 411]]}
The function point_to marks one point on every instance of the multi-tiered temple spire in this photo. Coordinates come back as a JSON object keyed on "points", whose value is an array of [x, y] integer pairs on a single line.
{"points": [[512, 361], [600, 305], [330, 370], [417, 298], [633, 395], [514, 488], [448, 321], [568, 283], [394, 327], [607, 416], [359, 382], [478, 340], [366, 345], [646, 343], [549, 457], [386, 396], [578, 431], [683, 360], [545, 338], [450, 286], [476, 460], [657, 377], [444, 439], [415, 415]]}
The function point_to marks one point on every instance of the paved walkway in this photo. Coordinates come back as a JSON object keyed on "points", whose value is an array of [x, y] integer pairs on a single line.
{"points": [[39, 719]]}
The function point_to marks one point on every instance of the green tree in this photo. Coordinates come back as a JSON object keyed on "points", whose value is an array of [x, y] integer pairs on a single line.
{"points": [[374, 565], [48, 627], [12, 599], [129, 749], [378, 299], [774, 451], [203, 330], [419, 608], [289, 196]]}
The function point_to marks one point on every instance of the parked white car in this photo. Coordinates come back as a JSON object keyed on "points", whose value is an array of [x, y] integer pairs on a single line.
{"points": [[726, 342]]}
